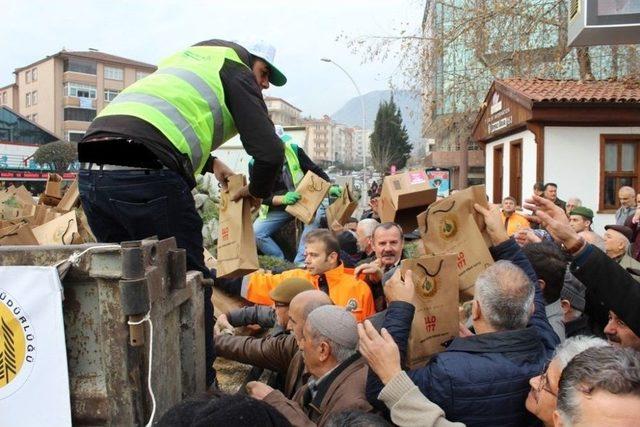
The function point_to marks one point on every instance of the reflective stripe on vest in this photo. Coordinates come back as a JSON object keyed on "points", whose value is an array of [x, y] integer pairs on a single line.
{"points": [[185, 100], [205, 91], [172, 114]]}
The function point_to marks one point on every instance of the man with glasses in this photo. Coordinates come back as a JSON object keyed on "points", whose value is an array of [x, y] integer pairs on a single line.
{"points": [[543, 396]]}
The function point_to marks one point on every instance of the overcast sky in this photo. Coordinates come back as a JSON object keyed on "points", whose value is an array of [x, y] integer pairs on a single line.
{"points": [[303, 31]]}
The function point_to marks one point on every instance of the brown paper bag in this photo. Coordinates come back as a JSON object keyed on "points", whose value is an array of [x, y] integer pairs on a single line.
{"points": [[24, 196], [19, 234], [59, 231], [9, 212], [70, 198], [53, 190], [237, 251], [435, 321], [342, 209], [312, 188], [452, 225], [404, 196]]}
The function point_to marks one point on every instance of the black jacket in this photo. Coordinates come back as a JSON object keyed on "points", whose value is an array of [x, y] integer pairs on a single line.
{"points": [[134, 142], [609, 287]]}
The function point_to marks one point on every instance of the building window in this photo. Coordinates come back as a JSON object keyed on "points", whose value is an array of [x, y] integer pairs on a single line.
{"points": [[27, 76], [28, 99], [34, 117], [619, 166], [34, 97], [4, 97], [79, 114], [34, 75], [110, 94], [141, 75], [112, 73], [80, 66], [80, 90], [74, 136]]}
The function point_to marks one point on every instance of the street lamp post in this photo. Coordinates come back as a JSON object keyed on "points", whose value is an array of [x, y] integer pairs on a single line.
{"points": [[364, 134]]}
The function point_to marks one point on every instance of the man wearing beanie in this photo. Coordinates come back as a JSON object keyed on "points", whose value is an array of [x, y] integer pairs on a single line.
{"points": [[280, 353], [338, 373]]}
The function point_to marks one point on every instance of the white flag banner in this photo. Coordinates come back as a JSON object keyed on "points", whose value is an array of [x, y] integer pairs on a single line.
{"points": [[34, 380]]}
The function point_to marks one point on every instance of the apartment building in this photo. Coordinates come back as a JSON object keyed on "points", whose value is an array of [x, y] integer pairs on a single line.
{"points": [[64, 92], [282, 112], [320, 139]]}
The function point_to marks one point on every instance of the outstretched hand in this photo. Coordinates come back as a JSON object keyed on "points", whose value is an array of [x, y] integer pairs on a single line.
{"points": [[554, 219], [380, 351], [493, 221], [397, 289]]}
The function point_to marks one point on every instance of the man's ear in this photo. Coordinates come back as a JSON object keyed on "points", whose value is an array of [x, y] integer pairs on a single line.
{"points": [[333, 257], [542, 284], [566, 305], [325, 351], [475, 310], [557, 419]]}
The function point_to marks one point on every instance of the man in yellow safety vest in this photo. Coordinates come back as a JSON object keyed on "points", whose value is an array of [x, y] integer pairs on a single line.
{"points": [[139, 156]]}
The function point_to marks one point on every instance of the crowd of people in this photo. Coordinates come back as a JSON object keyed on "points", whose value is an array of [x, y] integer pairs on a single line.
{"points": [[528, 350], [552, 336]]}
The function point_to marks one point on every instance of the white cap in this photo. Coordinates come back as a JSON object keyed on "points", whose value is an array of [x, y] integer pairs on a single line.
{"points": [[267, 52]]}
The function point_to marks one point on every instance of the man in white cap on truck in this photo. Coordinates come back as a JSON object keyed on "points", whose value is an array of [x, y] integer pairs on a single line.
{"points": [[140, 155]]}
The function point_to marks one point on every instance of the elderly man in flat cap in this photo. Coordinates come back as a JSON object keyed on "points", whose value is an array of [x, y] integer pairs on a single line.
{"points": [[338, 372], [617, 239]]}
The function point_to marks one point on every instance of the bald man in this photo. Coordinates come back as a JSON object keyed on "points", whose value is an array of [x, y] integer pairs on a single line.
{"points": [[627, 196], [281, 353]]}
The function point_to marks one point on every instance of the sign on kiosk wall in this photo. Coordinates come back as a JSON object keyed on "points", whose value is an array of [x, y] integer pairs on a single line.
{"points": [[34, 380], [439, 178]]}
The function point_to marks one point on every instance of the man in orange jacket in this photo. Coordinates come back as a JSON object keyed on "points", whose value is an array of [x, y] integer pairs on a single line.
{"points": [[324, 270], [511, 219]]}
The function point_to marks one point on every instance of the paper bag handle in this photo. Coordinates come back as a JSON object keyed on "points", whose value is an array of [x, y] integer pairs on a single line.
{"points": [[426, 222], [427, 271]]}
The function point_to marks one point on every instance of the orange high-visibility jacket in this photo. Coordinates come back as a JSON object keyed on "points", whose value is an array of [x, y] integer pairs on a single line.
{"points": [[344, 289], [514, 223]]}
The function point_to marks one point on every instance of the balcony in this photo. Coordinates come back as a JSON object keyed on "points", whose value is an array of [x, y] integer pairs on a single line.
{"points": [[75, 77], [75, 102]]}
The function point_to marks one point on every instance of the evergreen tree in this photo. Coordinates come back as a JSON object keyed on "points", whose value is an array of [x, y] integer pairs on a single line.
{"points": [[389, 140]]}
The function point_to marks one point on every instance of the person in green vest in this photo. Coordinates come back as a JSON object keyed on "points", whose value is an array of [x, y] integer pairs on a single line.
{"points": [[140, 155], [272, 212]]}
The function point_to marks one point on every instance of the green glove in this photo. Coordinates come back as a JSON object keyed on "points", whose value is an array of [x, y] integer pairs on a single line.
{"points": [[335, 191], [291, 198]]}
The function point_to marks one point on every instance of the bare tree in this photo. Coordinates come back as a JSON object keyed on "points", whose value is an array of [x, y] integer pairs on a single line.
{"points": [[463, 45]]}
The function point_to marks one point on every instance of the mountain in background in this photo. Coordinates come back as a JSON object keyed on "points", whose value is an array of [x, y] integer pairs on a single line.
{"points": [[408, 101]]}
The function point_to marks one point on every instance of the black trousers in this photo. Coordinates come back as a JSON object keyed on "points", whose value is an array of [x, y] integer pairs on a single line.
{"points": [[135, 204]]}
